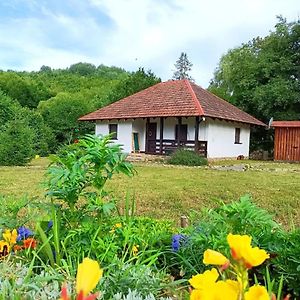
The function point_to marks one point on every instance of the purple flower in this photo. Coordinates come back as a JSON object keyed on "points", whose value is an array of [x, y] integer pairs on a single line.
{"points": [[50, 225], [176, 239], [23, 233]]}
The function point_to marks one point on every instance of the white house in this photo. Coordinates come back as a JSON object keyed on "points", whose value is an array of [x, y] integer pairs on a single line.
{"points": [[176, 113]]}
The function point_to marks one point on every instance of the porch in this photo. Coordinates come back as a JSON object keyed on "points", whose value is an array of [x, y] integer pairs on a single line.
{"points": [[168, 146]]}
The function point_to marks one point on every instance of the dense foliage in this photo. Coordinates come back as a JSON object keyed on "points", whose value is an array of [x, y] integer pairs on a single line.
{"points": [[262, 76], [49, 102]]}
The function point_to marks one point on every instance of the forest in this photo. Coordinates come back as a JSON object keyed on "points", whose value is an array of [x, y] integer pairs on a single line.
{"points": [[39, 110]]}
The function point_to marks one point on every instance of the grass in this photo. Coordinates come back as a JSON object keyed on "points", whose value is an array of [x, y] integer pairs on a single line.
{"points": [[165, 191]]}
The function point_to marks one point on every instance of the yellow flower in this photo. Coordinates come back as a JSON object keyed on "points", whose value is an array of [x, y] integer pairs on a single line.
{"points": [[241, 250], [212, 257], [257, 292], [227, 290], [10, 237], [4, 248], [88, 275], [118, 225], [202, 281], [135, 250]]}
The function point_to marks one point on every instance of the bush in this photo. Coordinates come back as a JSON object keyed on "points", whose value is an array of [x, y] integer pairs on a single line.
{"points": [[16, 143], [187, 158]]}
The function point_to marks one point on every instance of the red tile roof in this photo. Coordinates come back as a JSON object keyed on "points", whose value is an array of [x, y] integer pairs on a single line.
{"points": [[285, 124], [177, 98]]}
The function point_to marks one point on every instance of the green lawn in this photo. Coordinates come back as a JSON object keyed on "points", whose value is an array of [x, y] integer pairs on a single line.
{"points": [[168, 191]]}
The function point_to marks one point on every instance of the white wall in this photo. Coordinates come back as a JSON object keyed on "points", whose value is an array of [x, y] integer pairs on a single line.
{"points": [[124, 133], [221, 138], [220, 135]]}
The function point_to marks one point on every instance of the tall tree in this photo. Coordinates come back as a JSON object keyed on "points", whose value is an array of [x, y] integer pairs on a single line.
{"points": [[262, 76], [183, 67]]}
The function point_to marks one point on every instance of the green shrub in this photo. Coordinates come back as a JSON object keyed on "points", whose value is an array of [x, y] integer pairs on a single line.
{"points": [[16, 143], [186, 158]]}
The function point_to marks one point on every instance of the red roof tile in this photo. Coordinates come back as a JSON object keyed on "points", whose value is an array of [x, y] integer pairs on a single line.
{"points": [[178, 98], [285, 124]]}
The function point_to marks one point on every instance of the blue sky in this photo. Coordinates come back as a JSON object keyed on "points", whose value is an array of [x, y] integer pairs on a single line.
{"points": [[132, 33]]}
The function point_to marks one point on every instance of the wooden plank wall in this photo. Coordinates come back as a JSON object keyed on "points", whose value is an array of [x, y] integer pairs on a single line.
{"points": [[287, 143]]}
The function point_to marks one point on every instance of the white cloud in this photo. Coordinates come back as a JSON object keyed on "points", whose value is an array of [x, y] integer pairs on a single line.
{"points": [[148, 33]]}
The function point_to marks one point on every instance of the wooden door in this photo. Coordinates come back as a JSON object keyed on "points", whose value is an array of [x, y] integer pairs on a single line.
{"points": [[287, 144], [151, 138]]}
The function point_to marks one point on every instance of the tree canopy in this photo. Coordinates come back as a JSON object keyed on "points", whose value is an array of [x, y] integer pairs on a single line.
{"points": [[262, 76]]}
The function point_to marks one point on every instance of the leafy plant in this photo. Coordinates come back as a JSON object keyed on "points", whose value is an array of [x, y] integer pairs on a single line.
{"points": [[89, 164], [187, 158]]}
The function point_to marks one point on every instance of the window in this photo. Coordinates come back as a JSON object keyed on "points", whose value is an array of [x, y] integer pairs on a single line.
{"points": [[183, 132], [113, 128], [237, 139]]}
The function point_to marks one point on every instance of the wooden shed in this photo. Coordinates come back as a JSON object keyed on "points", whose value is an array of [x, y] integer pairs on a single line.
{"points": [[287, 140]]}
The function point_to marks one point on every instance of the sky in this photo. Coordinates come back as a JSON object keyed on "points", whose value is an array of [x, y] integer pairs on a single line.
{"points": [[133, 33]]}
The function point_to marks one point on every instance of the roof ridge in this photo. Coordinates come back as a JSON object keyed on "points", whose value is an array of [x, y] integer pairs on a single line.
{"points": [[194, 97]]}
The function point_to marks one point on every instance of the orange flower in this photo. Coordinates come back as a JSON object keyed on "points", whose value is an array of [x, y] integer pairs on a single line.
{"points": [[30, 243], [18, 248]]}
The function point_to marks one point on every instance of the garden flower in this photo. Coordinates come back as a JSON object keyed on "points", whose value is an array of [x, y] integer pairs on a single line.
{"points": [[10, 236], [205, 280], [257, 292], [88, 275], [118, 225], [241, 250], [211, 257], [4, 248], [176, 238], [135, 250], [23, 233], [30, 243]]}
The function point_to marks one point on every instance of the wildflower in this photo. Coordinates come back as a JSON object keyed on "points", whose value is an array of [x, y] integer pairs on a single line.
{"points": [[212, 257], [118, 225], [10, 236], [176, 239], [30, 243], [4, 248], [88, 275], [241, 250], [23, 233], [257, 292], [135, 250], [18, 248]]}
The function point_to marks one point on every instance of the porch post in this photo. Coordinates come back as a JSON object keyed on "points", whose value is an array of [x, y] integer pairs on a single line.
{"points": [[179, 131], [161, 135], [197, 134], [147, 128]]}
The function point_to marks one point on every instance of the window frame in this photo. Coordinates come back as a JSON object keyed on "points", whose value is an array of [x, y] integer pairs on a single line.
{"points": [[237, 136], [113, 130]]}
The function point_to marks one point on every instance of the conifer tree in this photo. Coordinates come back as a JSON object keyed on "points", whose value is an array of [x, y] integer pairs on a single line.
{"points": [[183, 67]]}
